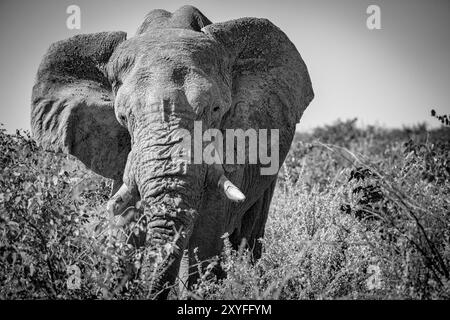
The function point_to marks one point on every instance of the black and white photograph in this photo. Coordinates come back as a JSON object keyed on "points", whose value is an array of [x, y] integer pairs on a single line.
{"points": [[241, 151]]}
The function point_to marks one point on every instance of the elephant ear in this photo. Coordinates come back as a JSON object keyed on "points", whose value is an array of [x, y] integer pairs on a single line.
{"points": [[72, 107], [271, 86]]}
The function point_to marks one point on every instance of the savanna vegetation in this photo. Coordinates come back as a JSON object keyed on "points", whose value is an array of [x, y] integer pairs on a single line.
{"points": [[358, 213]]}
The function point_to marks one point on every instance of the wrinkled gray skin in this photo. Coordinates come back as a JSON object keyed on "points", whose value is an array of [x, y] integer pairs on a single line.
{"points": [[116, 104]]}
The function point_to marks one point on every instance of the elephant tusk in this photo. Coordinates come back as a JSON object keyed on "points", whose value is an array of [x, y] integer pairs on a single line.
{"points": [[231, 191], [225, 185], [119, 202]]}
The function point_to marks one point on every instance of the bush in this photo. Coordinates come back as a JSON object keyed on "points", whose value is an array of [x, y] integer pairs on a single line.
{"points": [[57, 240]]}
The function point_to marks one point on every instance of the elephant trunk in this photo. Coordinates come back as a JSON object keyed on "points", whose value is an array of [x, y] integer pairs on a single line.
{"points": [[171, 188]]}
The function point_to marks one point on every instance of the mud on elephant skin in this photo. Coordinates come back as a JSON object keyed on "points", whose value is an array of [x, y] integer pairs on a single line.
{"points": [[119, 104]]}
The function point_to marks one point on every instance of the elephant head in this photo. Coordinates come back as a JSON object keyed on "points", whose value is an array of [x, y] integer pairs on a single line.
{"points": [[122, 106]]}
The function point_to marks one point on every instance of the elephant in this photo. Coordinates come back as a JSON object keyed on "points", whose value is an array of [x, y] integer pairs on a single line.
{"points": [[119, 104]]}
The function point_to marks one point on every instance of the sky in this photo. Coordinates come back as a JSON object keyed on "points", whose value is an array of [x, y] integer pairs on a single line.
{"points": [[390, 77]]}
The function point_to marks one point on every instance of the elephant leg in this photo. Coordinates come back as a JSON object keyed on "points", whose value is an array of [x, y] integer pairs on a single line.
{"points": [[253, 223]]}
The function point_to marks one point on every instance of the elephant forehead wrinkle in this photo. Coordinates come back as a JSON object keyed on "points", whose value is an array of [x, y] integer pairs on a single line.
{"points": [[173, 36], [172, 43]]}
